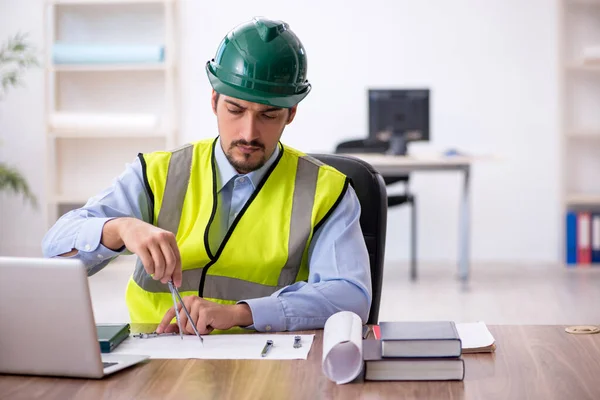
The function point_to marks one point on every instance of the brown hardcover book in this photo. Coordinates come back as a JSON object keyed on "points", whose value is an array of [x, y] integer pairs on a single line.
{"points": [[378, 368]]}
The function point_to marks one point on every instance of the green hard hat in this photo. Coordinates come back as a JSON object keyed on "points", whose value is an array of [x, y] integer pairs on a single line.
{"points": [[261, 61]]}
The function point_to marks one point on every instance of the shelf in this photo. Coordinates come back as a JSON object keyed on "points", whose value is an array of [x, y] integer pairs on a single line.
{"points": [[581, 67], [99, 115], [106, 2], [583, 2], [583, 199], [108, 67], [102, 133], [587, 134]]}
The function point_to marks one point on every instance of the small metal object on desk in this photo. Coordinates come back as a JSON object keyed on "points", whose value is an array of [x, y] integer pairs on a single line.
{"points": [[266, 349], [297, 343], [152, 335]]}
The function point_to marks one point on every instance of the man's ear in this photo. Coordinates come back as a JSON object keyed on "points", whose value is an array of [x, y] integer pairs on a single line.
{"points": [[214, 100], [291, 114]]}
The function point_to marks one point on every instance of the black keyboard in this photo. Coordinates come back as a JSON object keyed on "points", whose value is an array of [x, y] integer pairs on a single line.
{"points": [[108, 364]]}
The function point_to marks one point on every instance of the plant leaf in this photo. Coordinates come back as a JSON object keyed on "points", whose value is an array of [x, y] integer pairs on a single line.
{"points": [[12, 180]]}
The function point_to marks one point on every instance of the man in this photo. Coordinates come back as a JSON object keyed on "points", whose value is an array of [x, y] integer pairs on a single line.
{"points": [[255, 234]]}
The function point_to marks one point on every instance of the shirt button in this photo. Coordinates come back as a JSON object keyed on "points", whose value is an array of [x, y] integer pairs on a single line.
{"points": [[268, 327], [87, 247], [100, 256], [242, 180]]}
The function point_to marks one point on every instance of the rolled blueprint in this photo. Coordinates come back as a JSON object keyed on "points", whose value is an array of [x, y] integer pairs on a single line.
{"points": [[342, 347]]}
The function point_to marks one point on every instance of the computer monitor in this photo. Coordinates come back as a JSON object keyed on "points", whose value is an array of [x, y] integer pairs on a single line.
{"points": [[398, 116]]}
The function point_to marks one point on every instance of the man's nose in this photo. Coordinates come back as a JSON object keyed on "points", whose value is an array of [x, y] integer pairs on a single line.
{"points": [[250, 129]]}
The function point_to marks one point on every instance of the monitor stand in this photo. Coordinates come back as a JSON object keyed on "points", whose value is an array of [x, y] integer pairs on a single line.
{"points": [[397, 145]]}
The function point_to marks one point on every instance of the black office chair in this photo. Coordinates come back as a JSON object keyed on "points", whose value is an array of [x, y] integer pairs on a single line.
{"points": [[380, 147], [370, 190]]}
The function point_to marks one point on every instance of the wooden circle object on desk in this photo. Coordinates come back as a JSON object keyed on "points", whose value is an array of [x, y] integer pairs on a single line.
{"points": [[582, 329]]}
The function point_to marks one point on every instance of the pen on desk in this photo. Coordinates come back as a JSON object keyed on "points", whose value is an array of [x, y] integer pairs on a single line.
{"points": [[297, 343], [266, 349]]}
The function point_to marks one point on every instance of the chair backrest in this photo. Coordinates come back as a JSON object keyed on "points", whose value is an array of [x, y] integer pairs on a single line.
{"points": [[371, 192]]}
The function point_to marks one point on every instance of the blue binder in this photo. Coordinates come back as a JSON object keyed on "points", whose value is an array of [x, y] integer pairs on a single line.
{"points": [[595, 242], [571, 245]]}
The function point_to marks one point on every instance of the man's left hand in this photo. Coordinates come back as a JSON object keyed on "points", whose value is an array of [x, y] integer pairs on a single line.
{"points": [[207, 316]]}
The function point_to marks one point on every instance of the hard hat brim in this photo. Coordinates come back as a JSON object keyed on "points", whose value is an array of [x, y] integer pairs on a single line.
{"points": [[252, 95]]}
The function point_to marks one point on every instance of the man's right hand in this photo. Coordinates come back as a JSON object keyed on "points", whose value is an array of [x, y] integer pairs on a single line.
{"points": [[156, 247]]}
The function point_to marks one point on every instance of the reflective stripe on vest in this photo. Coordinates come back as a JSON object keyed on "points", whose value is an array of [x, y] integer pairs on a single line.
{"points": [[222, 287]]}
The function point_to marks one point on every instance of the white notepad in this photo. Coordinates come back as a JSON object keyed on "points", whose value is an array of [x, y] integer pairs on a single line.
{"points": [[475, 337], [223, 347]]}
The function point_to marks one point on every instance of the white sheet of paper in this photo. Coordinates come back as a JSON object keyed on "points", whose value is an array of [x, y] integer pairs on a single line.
{"points": [[223, 347], [342, 347], [474, 335]]}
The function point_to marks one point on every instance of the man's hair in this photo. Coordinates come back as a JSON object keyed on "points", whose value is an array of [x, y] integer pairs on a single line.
{"points": [[219, 95]]}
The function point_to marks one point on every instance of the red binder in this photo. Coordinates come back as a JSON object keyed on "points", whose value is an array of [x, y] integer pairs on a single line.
{"points": [[584, 230]]}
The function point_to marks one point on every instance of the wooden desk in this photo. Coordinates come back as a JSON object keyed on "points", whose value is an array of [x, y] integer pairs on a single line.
{"points": [[532, 362], [390, 166]]}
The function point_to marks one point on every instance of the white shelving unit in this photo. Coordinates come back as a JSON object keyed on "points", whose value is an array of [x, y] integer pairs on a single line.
{"points": [[97, 112], [580, 107]]}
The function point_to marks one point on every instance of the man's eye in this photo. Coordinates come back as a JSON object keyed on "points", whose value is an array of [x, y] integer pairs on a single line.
{"points": [[234, 111], [267, 116]]}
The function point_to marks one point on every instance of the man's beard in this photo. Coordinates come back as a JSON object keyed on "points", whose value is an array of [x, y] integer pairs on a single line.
{"points": [[246, 165]]}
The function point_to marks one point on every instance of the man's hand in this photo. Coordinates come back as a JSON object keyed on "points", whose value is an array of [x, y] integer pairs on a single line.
{"points": [[157, 248], [207, 316]]}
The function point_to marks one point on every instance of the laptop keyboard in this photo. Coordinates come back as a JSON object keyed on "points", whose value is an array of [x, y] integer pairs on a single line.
{"points": [[108, 364]]}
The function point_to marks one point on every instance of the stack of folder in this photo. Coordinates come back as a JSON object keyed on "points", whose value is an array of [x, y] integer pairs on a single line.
{"points": [[583, 238], [414, 351]]}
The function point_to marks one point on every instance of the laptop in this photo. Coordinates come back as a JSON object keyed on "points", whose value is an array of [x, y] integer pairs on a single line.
{"points": [[47, 324]]}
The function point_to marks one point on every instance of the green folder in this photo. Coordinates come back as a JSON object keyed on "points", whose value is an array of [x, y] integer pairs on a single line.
{"points": [[111, 335]]}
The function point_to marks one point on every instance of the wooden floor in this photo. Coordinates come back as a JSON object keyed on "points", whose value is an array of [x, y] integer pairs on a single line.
{"points": [[496, 294]]}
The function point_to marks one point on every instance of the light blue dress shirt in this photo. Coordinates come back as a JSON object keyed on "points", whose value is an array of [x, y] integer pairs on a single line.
{"points": [[339, 277]]}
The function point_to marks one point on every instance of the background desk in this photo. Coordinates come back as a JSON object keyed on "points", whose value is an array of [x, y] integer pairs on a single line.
{"points": [[531, 362], [388, 165]]}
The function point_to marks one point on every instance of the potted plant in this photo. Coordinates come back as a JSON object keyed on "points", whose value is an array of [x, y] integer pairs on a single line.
{"points": [[16, 56]]}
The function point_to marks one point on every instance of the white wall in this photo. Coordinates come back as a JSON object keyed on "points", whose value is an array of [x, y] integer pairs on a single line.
{"points": [[22, 137], [491, 66]]}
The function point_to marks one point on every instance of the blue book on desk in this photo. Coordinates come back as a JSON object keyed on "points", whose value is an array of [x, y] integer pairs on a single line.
{"points": [[571, 236]]}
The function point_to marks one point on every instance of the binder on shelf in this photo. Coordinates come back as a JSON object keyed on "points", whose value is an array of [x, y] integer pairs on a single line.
{"points": [[595, 238], [571, 236], [584, 249]]}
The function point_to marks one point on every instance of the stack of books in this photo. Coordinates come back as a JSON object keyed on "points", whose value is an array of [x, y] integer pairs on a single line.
{"points": [[414, 351]]}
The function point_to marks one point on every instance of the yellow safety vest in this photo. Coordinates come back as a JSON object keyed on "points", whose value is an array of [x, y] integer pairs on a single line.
{"points": [[266, 247]]}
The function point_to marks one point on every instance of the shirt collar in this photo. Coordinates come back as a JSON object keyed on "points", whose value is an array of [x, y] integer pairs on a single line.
{"points": [[226, 172]]}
